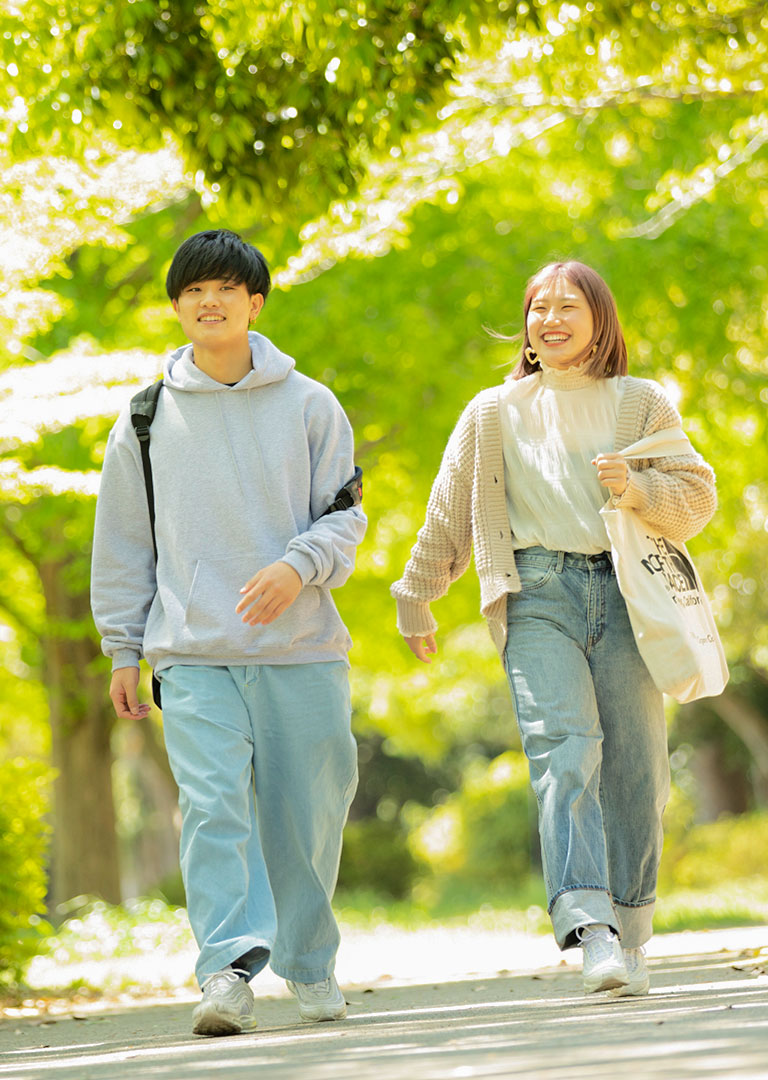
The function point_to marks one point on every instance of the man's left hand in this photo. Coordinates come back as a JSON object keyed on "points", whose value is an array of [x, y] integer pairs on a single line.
{"points": [[269, 593]]}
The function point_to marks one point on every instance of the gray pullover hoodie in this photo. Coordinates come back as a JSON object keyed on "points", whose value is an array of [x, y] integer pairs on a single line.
{"points": [[242, 476]]}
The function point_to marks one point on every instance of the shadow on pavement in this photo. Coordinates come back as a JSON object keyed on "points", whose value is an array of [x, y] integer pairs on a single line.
{"points": [[706, 1016]]}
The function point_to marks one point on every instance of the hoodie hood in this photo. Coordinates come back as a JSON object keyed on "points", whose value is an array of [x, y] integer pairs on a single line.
{"points": [[268, 365]]}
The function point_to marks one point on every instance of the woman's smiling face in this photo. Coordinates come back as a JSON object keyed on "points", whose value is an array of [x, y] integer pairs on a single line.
{"points": [[560, 323]]}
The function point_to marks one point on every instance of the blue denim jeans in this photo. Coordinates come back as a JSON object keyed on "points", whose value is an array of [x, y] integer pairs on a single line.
{"points": [[266, 766], [592, 727]]}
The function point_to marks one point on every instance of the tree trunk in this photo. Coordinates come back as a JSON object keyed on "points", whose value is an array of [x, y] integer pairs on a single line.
{"points": [[720, 790], [752, 728], [84, 857], [150, 856]]}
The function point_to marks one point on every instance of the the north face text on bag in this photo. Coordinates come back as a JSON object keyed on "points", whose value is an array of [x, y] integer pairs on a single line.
{"points": [[677, 570]]}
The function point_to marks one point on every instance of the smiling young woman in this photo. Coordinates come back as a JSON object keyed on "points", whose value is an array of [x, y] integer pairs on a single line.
{"points": [[591, 719]]}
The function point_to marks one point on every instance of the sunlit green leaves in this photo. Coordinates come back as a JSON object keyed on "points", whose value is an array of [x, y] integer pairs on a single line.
{"points": [[286, 101], [50, 207], [404, 188], [23, 841]]}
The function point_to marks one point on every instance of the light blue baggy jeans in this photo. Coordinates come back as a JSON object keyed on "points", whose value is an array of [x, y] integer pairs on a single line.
{"points": [[266, 767], [592, 727]]}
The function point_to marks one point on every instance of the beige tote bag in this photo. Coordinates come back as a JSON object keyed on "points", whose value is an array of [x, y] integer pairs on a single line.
{"points": [[668, 609]]}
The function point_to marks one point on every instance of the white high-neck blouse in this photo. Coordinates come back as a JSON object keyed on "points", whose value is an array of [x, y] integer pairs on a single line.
{"points": [[553, 424]]}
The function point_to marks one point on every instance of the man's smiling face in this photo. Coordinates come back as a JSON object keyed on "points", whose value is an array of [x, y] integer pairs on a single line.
{"points": [[216, 314]]}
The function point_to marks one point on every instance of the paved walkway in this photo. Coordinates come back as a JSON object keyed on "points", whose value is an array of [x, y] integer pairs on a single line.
{"points": [[706, 1017]]}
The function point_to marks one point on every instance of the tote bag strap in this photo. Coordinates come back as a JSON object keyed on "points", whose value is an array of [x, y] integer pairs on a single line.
{"points": [[669, 442]]}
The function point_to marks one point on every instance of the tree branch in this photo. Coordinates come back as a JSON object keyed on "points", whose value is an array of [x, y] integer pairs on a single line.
{"points": [[147, 271], [18, 543], [484, 98], [661, 221], [11, 613]]}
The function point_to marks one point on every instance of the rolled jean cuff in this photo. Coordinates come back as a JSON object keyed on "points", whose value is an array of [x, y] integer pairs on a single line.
{"points": [[303, 975], [580, 907], [636, 922]]}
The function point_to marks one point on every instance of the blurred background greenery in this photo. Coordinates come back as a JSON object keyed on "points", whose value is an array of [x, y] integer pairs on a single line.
{"points": [[405, 168]]}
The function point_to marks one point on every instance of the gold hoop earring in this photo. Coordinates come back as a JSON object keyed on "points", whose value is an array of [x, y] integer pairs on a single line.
{"points": [[530, 355]]}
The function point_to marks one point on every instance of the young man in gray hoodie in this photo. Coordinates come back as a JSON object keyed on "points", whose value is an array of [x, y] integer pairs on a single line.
{"points": [[236, 618]]}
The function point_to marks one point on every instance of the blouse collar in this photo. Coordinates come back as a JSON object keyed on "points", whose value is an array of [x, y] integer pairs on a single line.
{"points": [[572, 378]]}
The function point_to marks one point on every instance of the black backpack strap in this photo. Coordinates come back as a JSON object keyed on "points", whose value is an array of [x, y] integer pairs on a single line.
{"points": [[348, 496], [143, 408]]}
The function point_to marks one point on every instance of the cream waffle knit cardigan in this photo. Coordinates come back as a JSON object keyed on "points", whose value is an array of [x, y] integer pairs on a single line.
{"points": [[467, 506]]}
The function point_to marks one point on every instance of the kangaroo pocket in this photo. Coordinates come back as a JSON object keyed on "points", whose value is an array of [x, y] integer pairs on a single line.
{"points": [[213, 629]]}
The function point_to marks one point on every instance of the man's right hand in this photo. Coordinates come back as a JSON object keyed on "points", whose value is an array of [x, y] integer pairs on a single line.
{"points": [[122, 690]]}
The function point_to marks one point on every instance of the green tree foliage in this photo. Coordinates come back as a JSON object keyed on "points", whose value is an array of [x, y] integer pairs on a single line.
{"points": [[403, 337], [376, 857], [51, 536], [707, 855], [692, 301], [498, 136], [290, 102], [311, 85], [483, 832], [23, 837]]}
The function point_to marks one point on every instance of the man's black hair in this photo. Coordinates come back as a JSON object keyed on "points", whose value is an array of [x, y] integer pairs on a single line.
{"points": [[218, 254]]}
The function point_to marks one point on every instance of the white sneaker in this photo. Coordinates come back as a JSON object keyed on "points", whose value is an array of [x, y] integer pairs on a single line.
{"points": [[227, 1007], [319, 1000], [603, 967], [637, 972]]}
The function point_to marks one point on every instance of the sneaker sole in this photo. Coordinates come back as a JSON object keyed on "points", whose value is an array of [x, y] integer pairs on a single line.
{"points": [[607, 981], [214, 1022], [314, 1017], [628, 990]]}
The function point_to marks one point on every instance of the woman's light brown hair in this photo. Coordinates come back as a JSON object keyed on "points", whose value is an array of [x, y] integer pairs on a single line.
{"points": [[610, 351]]}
